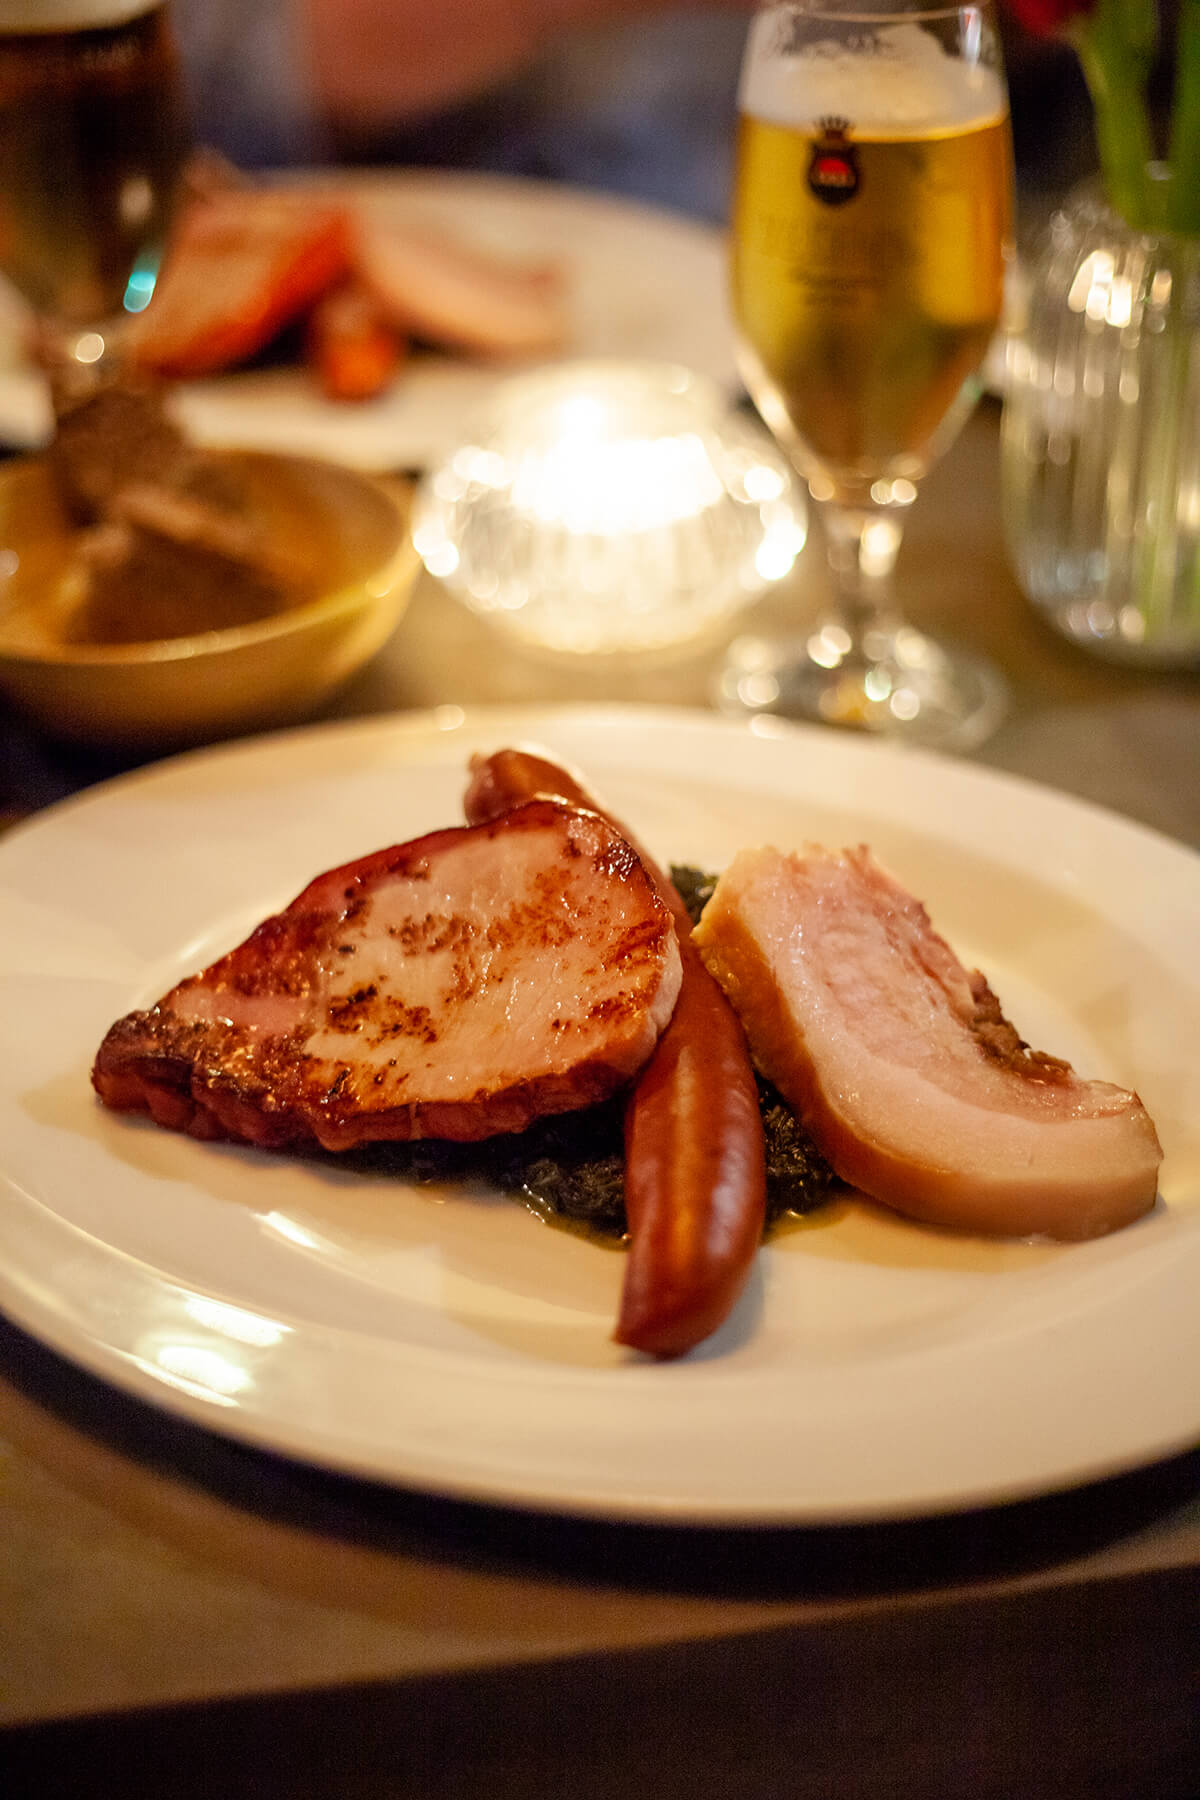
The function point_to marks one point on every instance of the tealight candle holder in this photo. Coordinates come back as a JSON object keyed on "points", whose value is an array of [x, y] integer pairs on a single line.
{"points": [[610, 508]]}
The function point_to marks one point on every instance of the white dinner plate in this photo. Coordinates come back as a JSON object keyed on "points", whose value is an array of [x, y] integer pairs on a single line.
{"points": [[450, 1340], [641, 282]]}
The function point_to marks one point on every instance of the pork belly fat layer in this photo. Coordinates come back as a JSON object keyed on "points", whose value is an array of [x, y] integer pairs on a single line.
{"points": [[901, 1064], [457, 986]]}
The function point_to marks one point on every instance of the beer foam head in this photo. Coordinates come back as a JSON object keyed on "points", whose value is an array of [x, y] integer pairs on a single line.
{"points": [[69, 15], [905, 85]]}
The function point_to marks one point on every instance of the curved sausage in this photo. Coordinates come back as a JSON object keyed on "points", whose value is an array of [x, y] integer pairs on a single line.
{"points": [[695, 1182], [509, 778]]}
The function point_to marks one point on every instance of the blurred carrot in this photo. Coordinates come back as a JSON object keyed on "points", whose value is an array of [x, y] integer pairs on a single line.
{"points": [[352, 346]]}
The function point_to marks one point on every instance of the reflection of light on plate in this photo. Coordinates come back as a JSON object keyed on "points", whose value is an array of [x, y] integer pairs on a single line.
{"points": [[289, 1229], [194, 1369], [234, 1321]]}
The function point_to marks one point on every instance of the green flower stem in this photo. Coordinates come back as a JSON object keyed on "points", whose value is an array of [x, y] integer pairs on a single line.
{"points": [[1168, 591], [1116, 47], [1183, 198]]}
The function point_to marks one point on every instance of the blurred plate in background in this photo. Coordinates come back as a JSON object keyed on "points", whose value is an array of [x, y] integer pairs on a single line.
{"points": [[641, 283]]}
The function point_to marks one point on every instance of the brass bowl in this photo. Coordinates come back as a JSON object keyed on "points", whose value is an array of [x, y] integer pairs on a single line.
{"points": [[172, 692]]}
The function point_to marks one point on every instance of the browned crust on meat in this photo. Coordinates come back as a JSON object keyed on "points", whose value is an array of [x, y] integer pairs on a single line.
{"points": [[214, 1079], [1001, 1041], [202, 1098]]}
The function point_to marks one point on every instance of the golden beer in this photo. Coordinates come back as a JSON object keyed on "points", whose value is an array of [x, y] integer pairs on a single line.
{"points": [[868, 270], [92, 138]]}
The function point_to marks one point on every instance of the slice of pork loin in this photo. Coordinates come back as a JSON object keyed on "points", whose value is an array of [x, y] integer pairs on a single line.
{"points": [[901, 1063], [457, 986]]}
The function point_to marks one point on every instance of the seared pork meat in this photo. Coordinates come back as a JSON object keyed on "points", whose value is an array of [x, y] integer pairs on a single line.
{"points": [[458, 986], [901, 1064]]}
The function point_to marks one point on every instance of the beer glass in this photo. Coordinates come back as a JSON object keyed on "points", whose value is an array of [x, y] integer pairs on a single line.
{"points": [[870, 231], [93, 134]]}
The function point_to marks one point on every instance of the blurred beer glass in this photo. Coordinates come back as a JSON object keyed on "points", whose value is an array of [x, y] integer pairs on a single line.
{"points": [[93, 135], [870, 231]]}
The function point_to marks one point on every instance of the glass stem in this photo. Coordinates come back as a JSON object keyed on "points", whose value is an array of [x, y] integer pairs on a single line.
{"points": [[77, 361], [862, 544]]}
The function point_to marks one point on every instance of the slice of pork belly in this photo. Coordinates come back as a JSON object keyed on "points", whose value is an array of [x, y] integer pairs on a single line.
{"points": [[457, 986], [901, 1063]]}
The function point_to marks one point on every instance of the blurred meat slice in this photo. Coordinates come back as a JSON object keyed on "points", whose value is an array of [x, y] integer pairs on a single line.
{"points": [[171, 544], [243, 264], [901, 1064], [459, 296], [457, 986], [166, 564], [115, 435]]}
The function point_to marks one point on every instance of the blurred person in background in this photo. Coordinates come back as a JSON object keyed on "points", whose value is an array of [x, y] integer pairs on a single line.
{"points": [[633, 96]]}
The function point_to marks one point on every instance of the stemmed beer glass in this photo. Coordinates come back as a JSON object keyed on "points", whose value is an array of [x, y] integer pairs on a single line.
{"points": [[870, 232], [93, 135]]}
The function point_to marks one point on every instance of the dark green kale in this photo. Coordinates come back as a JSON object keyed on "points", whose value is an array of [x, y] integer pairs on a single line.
{"points": [[572, 1164], [694, 888], [798, 1177]]}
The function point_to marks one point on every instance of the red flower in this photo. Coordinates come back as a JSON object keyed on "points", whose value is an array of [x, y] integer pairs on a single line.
{"points": [[1048, 18]]}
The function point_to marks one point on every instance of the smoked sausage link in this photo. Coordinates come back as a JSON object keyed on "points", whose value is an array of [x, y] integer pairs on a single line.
{"points": [[695, 1181]]}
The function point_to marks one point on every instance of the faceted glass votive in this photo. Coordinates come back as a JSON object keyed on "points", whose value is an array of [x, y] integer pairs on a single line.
{"points": [[609, 508]]}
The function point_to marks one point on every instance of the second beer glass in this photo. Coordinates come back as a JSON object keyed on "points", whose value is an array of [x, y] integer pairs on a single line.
{"points": [[93, 135]]}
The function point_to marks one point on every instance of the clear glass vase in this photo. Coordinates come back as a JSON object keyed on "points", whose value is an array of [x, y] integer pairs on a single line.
{"points": [[1101, 437]]}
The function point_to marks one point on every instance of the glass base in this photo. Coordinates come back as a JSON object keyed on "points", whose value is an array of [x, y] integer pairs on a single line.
{"points": [[904, 686]]}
